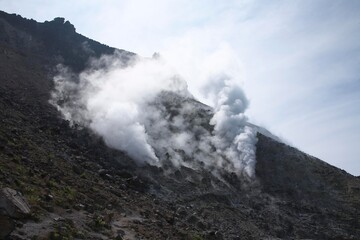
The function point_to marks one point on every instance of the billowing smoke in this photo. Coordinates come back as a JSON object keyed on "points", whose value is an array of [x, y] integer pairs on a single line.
{"points": [[144, 108]]}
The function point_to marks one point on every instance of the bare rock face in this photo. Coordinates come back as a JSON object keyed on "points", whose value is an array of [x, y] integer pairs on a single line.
{"points": [[12, 206]]}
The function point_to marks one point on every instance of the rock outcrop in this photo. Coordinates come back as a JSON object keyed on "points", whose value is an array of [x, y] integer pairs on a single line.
{"points": [[12, 206]]}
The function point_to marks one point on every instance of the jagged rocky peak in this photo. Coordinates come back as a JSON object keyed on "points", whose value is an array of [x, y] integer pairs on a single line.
{"points": [[60, 22], [56, 41]]}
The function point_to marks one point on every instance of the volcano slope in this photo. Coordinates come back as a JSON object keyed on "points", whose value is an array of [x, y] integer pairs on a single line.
{"points": [[78, 188]]}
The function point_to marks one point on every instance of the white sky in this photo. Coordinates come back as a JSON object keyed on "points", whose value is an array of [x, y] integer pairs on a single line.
{"points": [[300, 59]]}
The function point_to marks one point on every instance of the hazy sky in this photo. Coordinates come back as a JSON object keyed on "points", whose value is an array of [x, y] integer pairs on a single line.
{"points": [[300, 59]]}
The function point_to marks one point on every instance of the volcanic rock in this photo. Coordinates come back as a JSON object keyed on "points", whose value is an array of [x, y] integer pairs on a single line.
{"points": [[13, 204]]}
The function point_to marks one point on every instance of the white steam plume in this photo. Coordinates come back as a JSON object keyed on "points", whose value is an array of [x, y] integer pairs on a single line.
{"points": [[146, 110]]}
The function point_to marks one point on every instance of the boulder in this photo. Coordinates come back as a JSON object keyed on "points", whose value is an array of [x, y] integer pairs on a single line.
{"points": [[13, 204]]}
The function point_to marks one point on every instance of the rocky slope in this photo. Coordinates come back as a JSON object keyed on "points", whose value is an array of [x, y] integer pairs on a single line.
{"points": [[78, 188]]}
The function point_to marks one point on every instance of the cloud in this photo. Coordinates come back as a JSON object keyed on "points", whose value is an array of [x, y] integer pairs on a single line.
{"points": [[302, 76]]}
